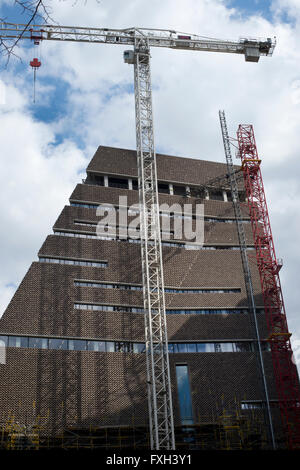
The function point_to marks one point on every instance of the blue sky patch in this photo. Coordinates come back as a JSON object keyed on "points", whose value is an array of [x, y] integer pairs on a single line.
{"points": [[259, 7], [252, 7]]}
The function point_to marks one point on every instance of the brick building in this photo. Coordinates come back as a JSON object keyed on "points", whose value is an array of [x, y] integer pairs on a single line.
{"points": [[74, 329]]}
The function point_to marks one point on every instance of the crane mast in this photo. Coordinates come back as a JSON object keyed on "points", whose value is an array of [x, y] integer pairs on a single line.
{"points": [[246, 267], [157, 358]]}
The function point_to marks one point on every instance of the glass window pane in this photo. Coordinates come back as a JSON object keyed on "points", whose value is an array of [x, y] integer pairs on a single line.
{"points": [[138, 347], [209, 347], [182, 347], [41, 343], [191, 347], [18, 341], [110, 346], [96, 346], [58, 343], [77, 345], [4, 339], [201, 347], [242, 347], [184, 394]]}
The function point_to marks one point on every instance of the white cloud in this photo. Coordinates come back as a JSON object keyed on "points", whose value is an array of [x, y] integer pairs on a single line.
{"points": [[38, 178], [189, 89]]}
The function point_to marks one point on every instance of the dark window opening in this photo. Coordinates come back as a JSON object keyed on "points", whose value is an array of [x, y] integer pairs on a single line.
{"points": [[229, 196], [135, 185], [197, 192], [216, 195], [179, 190], [118, 182], [163, 188], [99, 180], [95, 179]]}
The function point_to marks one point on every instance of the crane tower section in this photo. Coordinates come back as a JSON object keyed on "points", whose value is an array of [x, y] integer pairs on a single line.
{"points": [[286, 377], [157, 358], [246, 267]]}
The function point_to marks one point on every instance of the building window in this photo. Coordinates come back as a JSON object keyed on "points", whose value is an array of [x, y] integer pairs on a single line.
{"points": [[139, 347], [4, 340], [216, 195], [98, 346], [243, 347], [84, 204], [118, 182], [197, 192], [75, 262], [72, 344], [175, 244], [191, 347], [182, 347], [18, 341], [39, 343], [88, 224], [128, 309], [123, 346], [95, 179], [184, 394], [252, 405], [179, 190], [135, 184], [77, 345], [110, 346], [163, 188], [55, 343]]}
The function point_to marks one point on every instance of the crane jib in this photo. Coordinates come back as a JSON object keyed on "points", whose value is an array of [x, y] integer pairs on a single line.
{"points": [[251, 48]]}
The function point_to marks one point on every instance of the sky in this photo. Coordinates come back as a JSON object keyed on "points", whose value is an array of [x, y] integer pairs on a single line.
{"points": [[84, 99]]}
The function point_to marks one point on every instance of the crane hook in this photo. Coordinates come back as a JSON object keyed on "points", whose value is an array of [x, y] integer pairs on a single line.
{"points": [[35, 64]]}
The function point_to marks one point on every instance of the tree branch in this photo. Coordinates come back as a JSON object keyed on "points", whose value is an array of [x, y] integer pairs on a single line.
{"points": [[31, 9]]}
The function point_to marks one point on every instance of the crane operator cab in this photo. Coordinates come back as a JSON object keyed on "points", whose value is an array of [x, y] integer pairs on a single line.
{"points": [[129, 57]]}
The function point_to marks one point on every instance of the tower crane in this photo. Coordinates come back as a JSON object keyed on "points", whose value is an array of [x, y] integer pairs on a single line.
{"points": [[143, 39]]}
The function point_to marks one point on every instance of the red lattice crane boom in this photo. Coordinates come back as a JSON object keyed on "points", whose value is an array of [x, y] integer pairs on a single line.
{"points": [[286, 376]]}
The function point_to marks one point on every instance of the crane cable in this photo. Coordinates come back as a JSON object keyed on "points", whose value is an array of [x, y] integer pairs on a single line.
{"points": [[35, 64]]}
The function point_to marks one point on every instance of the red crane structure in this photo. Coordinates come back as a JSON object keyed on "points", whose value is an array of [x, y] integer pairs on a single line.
{"points": [[286, 376]]}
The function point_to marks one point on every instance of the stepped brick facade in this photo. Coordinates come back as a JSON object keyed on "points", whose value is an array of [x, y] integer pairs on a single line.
{"points": [[74, 329]]}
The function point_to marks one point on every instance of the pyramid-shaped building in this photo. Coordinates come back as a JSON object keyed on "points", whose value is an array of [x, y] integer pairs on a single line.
{"points": [[74, 330]]}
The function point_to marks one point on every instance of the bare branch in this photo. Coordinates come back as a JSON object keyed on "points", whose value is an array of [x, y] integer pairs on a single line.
{"points": [[34, 11]]}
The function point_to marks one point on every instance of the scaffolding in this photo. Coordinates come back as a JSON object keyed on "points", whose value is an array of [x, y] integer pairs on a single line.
{"points": [[286, 377], [225, 428]]}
